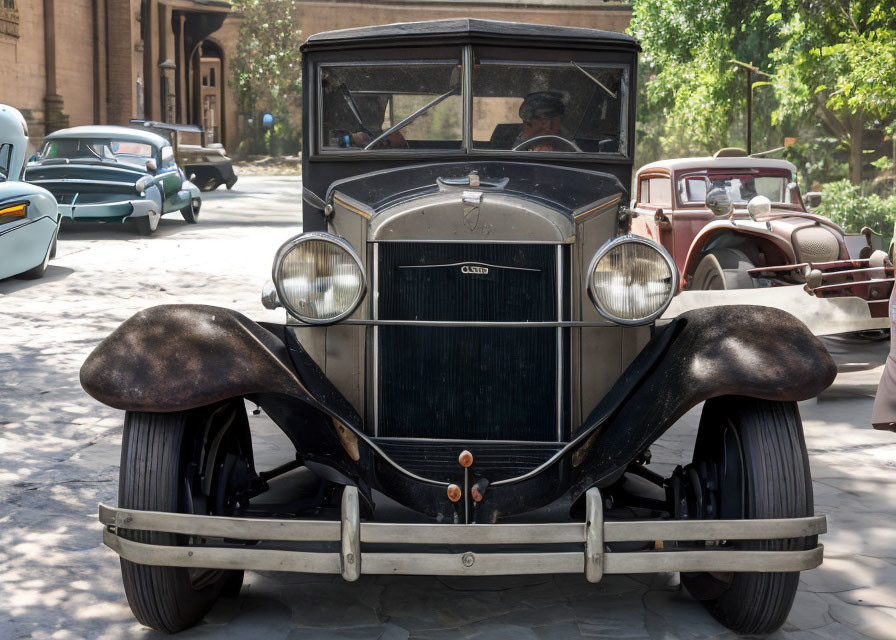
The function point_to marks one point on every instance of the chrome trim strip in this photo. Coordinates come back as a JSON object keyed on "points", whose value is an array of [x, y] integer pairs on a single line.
{"points": [[460, 323], [376, 339], [559, 344], [80, 181], [461, 264]]}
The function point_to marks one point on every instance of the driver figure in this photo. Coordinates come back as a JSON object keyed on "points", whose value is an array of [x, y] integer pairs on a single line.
{"points": [[542, 115]]}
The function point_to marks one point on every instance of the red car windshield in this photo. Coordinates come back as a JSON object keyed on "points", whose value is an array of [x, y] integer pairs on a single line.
{"points": [[741, 187]]}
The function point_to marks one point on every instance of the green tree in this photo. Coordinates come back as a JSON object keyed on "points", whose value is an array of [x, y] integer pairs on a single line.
{"points": [[832, 61], [267, 67], [693, 98], [837, 61]]}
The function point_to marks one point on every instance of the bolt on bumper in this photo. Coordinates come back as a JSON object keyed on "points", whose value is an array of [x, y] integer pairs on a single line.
{"points": [[593, 534]]}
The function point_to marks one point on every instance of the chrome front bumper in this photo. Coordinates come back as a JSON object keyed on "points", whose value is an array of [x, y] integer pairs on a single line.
{"points": [[594, 561]]}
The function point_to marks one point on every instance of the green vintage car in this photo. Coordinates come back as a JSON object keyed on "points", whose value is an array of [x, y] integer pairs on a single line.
{"points": [[114, 174]]}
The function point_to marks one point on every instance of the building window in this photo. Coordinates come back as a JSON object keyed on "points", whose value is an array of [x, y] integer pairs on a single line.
{"points": [[211, 76], [9, 18]]}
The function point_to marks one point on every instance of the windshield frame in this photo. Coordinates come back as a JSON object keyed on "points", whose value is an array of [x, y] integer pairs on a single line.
{"points": [[136, 163], [708, 173], [484, 54]]}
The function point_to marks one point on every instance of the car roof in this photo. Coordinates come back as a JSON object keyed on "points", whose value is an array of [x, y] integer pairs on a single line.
{"points": [[708, 162], [129, 134], [516, 33]]}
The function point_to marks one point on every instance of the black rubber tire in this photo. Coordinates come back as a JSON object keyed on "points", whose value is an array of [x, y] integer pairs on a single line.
{"points": [[190, 213], [723, 269], [143, 225], [53, 249], [776, 483], [154, 453]]}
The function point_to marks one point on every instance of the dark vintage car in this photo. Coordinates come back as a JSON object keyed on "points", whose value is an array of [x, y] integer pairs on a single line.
{"points": [[207, 164], [114, 174], [737, 222], [470, 371]]}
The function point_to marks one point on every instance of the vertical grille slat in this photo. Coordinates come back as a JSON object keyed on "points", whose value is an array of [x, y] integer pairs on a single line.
{"points": [[467, 382]]}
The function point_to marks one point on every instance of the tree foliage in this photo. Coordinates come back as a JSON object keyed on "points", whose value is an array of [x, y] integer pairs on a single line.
{"points": [[267, 66], [831, 61]]}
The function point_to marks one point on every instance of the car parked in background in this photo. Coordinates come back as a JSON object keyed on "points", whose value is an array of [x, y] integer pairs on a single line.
{"points": [[207, 165], [737, 222], [29, 219], [114, 174], [469, 367]]}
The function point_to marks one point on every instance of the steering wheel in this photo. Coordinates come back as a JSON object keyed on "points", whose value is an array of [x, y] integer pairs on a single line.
{"points": [[548, 136]]}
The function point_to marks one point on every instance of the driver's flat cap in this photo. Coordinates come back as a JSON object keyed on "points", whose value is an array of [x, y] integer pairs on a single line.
{"points": [[543, 104]]}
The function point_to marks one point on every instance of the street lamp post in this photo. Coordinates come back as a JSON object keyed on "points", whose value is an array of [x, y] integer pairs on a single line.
{"points": [[750, 69]]}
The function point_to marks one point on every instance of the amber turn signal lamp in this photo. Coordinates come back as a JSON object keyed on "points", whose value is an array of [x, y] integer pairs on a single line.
{"points": [[453, 492], [465, 459], [11, 213]]}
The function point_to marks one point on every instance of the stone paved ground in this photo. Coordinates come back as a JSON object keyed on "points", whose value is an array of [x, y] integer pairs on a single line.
{"points": [[59, 457]]}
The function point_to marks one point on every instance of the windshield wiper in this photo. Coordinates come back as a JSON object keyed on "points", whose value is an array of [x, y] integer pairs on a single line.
{"points": [[347, 96], [419, 112], [600, 84]]}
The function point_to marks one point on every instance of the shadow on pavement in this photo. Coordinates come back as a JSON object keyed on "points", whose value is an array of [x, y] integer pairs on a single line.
{"points": [[54, 273]]}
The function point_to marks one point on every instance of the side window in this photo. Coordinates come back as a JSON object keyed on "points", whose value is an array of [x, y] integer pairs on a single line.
{"points": [[694, 190], [660, 191], [644, 191], [5, 159]]}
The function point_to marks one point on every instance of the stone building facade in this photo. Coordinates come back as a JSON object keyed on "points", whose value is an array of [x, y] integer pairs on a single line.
{"points": [[76, 62]]}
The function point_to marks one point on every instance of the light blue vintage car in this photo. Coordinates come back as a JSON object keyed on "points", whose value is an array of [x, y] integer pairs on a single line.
{"points": [[29, 220], [114, 174]]}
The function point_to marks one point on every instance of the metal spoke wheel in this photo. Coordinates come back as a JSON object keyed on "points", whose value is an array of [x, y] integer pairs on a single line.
{"points": [[723, 269], [752, 463], [183, 462]]}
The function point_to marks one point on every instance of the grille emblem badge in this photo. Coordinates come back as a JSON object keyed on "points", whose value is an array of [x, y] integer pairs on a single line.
{"points": [[470, 269]]}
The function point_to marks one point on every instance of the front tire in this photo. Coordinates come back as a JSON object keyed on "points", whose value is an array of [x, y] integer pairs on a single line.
{"points": [[763, 472], [723, 269], [146, 225], [190, 213], [160, 454]]}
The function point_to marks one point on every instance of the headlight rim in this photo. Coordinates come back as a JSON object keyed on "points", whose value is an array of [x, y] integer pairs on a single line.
{"points": [[608, 246], [343, 244]]}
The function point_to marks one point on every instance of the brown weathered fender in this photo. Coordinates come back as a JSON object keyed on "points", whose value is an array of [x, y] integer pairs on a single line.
{"points": [[179, 357], [735, 350]]}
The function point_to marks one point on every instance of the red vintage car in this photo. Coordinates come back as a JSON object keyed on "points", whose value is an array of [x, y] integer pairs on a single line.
{"points": [[737, 222]]}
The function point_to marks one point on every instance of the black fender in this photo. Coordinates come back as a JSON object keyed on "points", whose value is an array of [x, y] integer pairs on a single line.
{"points": [[179, 357]]}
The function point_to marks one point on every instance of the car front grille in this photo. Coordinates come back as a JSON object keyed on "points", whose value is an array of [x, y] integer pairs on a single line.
{"points": [[467, 382]]}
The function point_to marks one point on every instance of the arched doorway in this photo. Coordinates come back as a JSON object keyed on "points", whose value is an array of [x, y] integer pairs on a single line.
{"points": [[207, 106]]}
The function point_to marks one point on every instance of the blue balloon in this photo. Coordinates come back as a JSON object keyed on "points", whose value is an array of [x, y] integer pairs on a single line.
{"points": [[267, 119]]}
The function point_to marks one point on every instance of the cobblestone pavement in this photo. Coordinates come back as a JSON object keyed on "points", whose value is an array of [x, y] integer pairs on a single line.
{"points": [[59, 457]]}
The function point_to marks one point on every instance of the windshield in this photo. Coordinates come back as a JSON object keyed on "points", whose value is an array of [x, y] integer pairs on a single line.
{"points": [[567, 107], [103, 149], [741, 187], [516, 107], [392, 106]]}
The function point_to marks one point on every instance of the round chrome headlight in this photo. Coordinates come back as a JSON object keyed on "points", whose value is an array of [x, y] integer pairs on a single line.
{"points": [[319, 278], [632, 280]]}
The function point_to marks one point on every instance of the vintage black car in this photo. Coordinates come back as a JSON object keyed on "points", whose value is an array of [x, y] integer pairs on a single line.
{"points": [[471, 339]]}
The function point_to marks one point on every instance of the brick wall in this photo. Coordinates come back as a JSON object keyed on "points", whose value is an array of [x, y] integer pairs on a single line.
{"points": [[121, 77], [22, 78], [74, 59]]}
